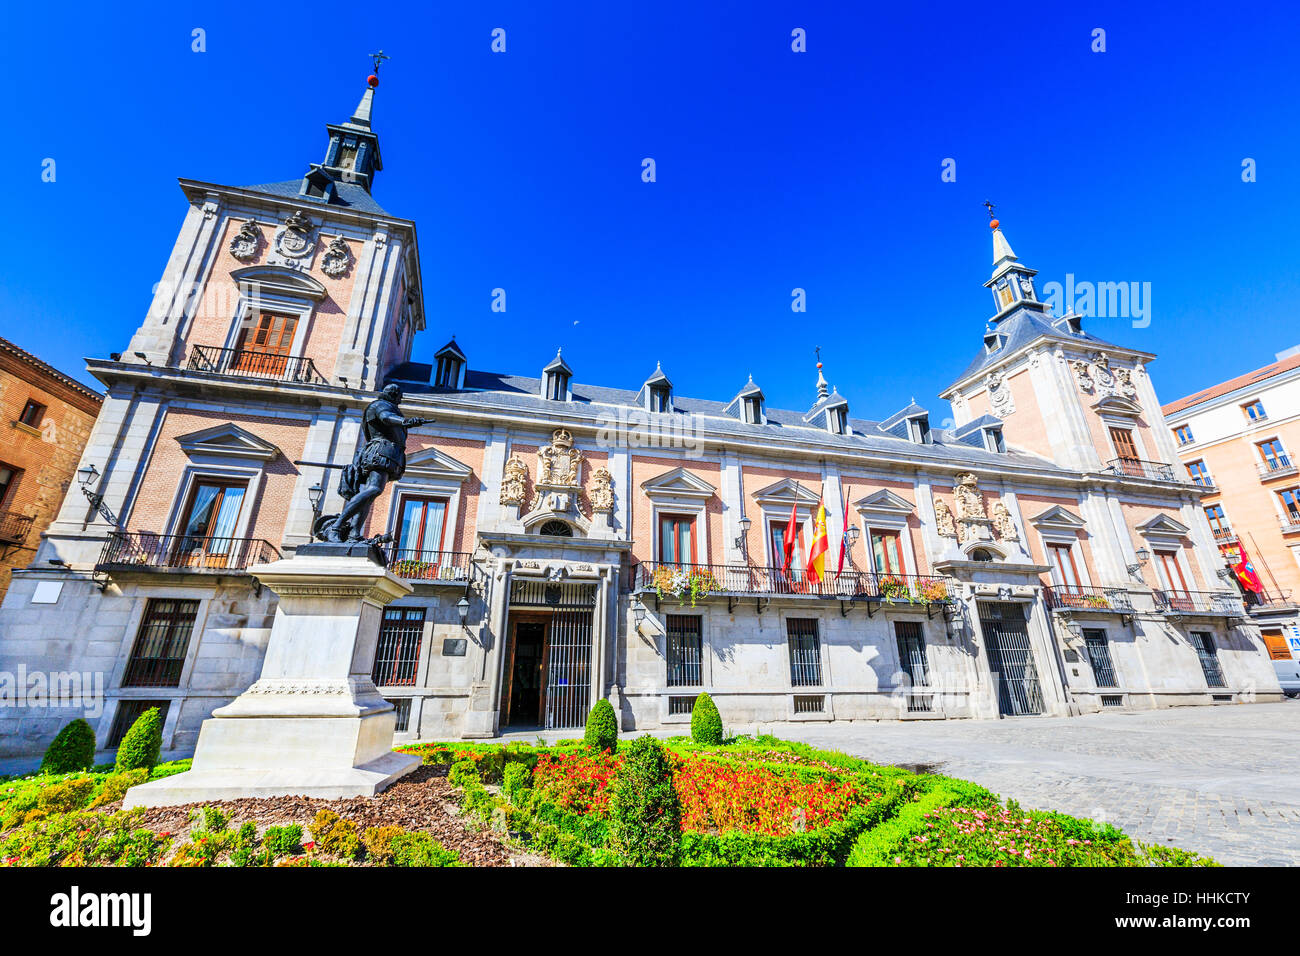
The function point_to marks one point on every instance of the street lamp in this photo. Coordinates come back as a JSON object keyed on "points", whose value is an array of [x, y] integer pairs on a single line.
{"points": [[745, 525], [852, 534], [462, 608], [87, 476], [314, 494], [1143, 556]]}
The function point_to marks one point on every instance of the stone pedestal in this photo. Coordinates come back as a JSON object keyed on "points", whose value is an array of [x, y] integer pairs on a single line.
{"points": [[313, 724]]}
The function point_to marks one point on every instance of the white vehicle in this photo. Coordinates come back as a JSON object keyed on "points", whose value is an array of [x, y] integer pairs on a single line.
{"points": [[1284, 649]]}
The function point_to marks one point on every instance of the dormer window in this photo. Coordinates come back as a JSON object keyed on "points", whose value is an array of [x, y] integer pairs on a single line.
{"points": [[753, 411], [446, 372], [992, 341], [449, 366], [838, 420], [993, 440], [557, 386], [918, 429], [659, 398]]}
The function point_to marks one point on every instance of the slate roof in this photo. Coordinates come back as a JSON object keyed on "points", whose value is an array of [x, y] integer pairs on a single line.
{"points": [[1020, 328], [347, 196]]}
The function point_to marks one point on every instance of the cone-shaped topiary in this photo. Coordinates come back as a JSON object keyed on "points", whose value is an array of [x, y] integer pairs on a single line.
{"points": [[706, 722], [140, 746], [602, 727], [73, 749], [644, 812]]}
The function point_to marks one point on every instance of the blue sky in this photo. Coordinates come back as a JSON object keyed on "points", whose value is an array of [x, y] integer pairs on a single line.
{"points": [[775, 170]]}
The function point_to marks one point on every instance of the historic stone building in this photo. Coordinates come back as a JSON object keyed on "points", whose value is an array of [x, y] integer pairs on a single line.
{"points": [[45, 418], [568, 541]]}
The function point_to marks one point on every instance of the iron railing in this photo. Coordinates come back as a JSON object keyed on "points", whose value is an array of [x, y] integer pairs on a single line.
{"points": [[1267, 599], [183, 552], [254, 363], [1103, 669], [694, 581], [1079, 597], [1199, 602], [451, 567], [805, 652], [685, 650], [1224, 534], [1277, 467], [14, 527], [1290, 522], [1137, 468]]}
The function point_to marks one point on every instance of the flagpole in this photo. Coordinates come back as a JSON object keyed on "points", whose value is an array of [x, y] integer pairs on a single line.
{"points": [[1251, 535]]}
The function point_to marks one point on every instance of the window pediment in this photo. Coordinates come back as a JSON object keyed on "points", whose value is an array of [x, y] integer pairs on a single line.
{"points": [[227, 441], [278, 281], [429, 463], [784, 493], [1162, 526], [885, 504], [1118, 406], [678, 483], [1057, 518]]}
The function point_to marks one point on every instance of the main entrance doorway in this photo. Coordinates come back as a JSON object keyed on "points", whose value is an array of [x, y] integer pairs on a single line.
{"points": [[529, 647], [1011, 659], [547, 679]]}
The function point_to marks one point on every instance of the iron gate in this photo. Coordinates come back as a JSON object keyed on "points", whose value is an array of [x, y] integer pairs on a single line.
{"points": [[1103, 670], [568, 669], [1011, 659], [1209, 656]]}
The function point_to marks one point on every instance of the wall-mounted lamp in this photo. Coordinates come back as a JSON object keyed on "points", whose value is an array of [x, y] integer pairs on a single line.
{"points": [[1075, 629], [88, 477], [852, 534], [58, 562], [143, 358], [745, 524], [1143, 556], [314, 494], [462, 608]]}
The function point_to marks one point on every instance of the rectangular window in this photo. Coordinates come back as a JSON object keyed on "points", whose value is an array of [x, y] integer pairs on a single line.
{"points": [[33, 414], [8, 482], [994, 441], [421, 528], [677, 539], [161, 643], [397, 654], [1199, 473], [1171, 574], [753, 412], [1125, 447], [1184, 434], [1273, 454], [1203, 642], [680, 705], [1065, 573], [805, 652], [263, 346], [658, 399], [1218, 521], [778, 548], [128, 712], [887, 552], [911, 652], [1291, 502], [685, 650], [1255, 411], [209, 520], [806, 704], [839, 421], [1103, 669]]}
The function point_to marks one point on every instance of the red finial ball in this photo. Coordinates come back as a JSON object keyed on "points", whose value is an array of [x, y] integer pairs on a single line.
{"points": [[372, 81], [993, 223], [819, 364]]}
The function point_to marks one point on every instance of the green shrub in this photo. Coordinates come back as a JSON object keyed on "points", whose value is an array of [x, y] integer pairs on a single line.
{"points": [[420, 849], [283, 841], [142, 743], [602, 727], [706, 722], [73, 749], [116, 785], [379, 843], [66, 796], [644, 812], [516, 780], [462, 773], [210, 819]]}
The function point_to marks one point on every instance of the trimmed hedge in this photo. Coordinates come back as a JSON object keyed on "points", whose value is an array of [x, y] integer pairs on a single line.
{"points": [[602, 727], [142, 743], [645, 816], [73, 749], [706, 722]]}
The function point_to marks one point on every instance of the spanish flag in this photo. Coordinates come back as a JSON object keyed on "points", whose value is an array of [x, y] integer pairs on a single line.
{"points": [[817, 553]]}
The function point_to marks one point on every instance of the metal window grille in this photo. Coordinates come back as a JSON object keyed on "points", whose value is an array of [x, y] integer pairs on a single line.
{"points": [[809, 704], [685, 650], [161, 644], [1209, 657], [680, 705], [397, 654], [402, 713], [128, 712], [1112, 700], [1103, 668], [1011, 658], [911, 652], [923, 704], [1221, 698], [805, 652], [568, 669]]}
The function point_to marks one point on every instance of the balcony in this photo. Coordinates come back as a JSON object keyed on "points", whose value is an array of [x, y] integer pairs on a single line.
{"points": [[692, 582], [1224, 535], [14, 527], [1290, 522], [1150, 470], [252, 363], [1216, 603], [1280, 467], [1270, 602], [143, 550], [1079, 598], [438, 567]]}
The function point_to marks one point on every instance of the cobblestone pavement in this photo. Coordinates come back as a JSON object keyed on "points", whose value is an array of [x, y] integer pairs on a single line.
{"points": [[1224, 781]]}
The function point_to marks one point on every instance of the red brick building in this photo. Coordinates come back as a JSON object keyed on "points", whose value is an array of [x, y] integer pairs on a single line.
{"points": [[45, 419]]}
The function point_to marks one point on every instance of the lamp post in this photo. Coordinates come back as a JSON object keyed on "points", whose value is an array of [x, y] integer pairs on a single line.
{"points": [[1143, 556], [741, 541], [462, 608], [87, 477], [314, 494]]}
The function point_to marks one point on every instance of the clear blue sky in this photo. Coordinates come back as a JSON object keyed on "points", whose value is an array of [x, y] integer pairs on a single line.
{"points": [[776, 170]]}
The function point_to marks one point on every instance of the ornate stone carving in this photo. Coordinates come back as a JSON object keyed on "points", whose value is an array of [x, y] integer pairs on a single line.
{"points": [[559, 464], [1083, 374], [1101, 371], [1124, 383], [246, 242], [1004, 523], [296, 239], [337, 258], [966, 495], [944, 521], [602, 491], [1000, 398], [514, 482]]}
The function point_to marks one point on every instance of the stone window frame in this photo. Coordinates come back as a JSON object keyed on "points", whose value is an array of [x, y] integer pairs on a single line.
{"points": [[1057, 527], [259, 291], [431, 474]]}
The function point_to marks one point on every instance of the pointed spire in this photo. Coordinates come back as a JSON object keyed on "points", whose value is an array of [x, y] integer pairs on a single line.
{"points": [[361, 115], [1001, 248], [822, 389]]}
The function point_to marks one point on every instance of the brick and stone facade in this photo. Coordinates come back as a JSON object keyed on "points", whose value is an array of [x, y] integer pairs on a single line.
{"points": [[567, 542]]}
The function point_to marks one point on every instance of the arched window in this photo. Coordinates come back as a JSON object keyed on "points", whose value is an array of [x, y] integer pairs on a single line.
{"points": [[556, 529], [979, 554]]}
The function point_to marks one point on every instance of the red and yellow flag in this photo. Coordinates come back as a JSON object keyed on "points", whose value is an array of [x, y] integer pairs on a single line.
{"points": [[817, 553]]}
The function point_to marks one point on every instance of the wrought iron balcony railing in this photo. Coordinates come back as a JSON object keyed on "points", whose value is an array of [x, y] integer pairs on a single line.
{"points": [[1280, 467], [1269, 601], [694, 581], [253, 363], [1137, 468], [449, 567], [14, 527], [1199, 602], [1224, 535], [1081, 598], [1290, 522], [181, 552]]}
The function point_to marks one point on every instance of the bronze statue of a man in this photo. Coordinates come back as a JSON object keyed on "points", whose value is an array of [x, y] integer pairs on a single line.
{"points": [[380, 458]]}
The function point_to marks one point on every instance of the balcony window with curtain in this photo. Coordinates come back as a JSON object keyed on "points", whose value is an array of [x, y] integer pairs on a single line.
{"points": [[208, 526], [420, 530], [677, 539]]}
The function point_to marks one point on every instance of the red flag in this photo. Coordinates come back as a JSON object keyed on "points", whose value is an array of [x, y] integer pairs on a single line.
{"points": [[1245, 572], [791, 532], [844, 534]]}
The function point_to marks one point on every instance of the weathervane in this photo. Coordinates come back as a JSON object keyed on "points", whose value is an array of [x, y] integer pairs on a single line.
{"points": [[379, 58], [989, 206]]}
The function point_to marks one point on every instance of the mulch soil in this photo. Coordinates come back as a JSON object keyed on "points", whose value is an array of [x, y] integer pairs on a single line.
{"points": [[422, 800]]}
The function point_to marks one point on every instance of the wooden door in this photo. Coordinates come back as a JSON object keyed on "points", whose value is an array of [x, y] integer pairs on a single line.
{"points": [[266, 350], [1126, 448]]}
